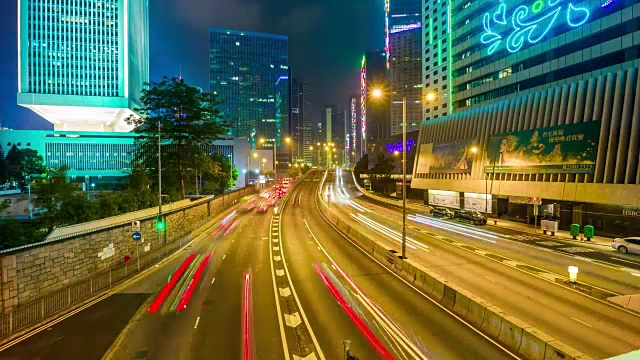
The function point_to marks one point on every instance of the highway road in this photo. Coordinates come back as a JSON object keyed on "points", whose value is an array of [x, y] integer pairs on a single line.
{"points": [[276, 286], [526, 281], [402, 318]]}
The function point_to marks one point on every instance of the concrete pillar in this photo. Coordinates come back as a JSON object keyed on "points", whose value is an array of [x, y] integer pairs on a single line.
{"points": [[625, 127]]}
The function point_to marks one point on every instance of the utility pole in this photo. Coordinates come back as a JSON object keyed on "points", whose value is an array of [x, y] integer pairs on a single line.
{"points": [[404, 177]]}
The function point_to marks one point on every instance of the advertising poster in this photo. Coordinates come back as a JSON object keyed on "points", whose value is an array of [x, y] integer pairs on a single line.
{"points": [[449, 199], [454, 157], [563, 149]]}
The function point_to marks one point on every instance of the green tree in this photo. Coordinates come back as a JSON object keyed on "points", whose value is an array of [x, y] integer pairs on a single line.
{"points": [[219, 175], [4, 171], [361, 167], [383, 167], [23, 162], [189, 122], [53, 197]]}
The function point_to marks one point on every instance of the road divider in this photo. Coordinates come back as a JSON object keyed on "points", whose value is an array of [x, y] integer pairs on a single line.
{"points": [[505, 330], [166, 290]]}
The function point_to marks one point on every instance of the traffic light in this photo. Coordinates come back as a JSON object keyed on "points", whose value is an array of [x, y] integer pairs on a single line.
{"points": [[160, 224]]}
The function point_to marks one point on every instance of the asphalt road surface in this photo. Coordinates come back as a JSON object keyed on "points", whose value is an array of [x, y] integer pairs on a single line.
{"points": [[526, 281]]}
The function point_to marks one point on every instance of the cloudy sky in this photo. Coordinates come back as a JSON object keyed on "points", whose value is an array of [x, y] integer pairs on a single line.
{"points": [[326, 41]]}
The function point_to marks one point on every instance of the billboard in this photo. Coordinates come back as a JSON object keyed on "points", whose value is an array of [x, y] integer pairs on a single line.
{"points": [[450, 157], [563, 149]]}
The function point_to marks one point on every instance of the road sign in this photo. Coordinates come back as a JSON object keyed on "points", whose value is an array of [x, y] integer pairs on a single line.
{"points": [[135, 226], [136, 236]]}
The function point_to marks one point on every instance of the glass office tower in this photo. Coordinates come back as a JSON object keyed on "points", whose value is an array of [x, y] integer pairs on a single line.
{"points": [[82, 63], [250, 73]]}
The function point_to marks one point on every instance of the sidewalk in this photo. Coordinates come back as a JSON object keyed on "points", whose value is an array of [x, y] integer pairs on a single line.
{"points": [[560, 234]]}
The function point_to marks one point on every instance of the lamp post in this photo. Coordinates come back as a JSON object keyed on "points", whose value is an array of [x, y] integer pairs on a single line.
{"points": [[430, 97]]}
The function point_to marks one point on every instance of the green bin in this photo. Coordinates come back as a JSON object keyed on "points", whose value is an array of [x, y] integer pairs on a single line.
{"points": [[589, 232], [575, 230]]}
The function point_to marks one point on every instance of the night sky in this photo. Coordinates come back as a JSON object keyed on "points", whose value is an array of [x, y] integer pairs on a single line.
{"points": [[326, 41]]}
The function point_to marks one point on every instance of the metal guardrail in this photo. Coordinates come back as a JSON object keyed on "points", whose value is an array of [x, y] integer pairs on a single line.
{"points": [[59, 300]]}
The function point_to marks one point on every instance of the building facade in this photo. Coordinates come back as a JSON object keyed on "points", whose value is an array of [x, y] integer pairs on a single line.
{"points": [[82, 64], [103, 157], [374, 113], [403, 50], [301, 123], [250, 72], [406, 79], [574, 147], [436, 59]]}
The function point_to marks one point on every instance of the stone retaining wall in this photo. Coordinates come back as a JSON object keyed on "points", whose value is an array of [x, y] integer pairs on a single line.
{"points": [[30, 273]]}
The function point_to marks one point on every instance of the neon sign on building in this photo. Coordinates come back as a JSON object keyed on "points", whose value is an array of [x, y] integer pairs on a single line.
{"points": [[528, 25], [363, 102], [387, 48], [354, 120]]}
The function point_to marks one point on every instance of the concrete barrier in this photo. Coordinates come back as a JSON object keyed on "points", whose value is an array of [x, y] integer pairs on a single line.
{"points": [[511, 332], [427, 285], [534, 343], [449, 295], [475, 315], [438, 288], [555, 350], [461, 307], [408, 272], [492, 321]]}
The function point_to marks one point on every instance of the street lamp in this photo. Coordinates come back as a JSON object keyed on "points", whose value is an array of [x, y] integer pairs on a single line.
{"points": [[430, 97]]}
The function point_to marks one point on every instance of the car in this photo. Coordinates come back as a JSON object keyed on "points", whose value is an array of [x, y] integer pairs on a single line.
{"points": [[442, 212], [262, 208], [473, 216], [629, 245]]}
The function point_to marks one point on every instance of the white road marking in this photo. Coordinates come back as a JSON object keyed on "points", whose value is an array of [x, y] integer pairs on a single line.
{"points": [[276, 248], [635, 274], [284, 292], [581, 322], [233, 240], [278, 310], [292, 320], [224, 256], [276, 258], [280, 272], [197, 321], [490, 279], [213, 280]]}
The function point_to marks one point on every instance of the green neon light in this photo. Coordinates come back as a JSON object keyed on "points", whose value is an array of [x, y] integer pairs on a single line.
{"points": [[430, 30], [449, 57], [439, 53], [537, 6]]}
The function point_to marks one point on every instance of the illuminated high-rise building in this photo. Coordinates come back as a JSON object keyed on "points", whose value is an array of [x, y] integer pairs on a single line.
{"points": [[249, 72], [403, 50], [82, 64], [301, 121], [374, 113]]}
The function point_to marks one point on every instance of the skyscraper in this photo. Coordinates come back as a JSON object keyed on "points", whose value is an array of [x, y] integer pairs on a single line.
{"points": [[82, 64], [249, 72], [374, 113], [404, 55], [436, 59], [301, 120]]}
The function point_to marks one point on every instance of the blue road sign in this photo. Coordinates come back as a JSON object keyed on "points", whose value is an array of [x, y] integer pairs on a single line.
{"points": [[136, 236]]}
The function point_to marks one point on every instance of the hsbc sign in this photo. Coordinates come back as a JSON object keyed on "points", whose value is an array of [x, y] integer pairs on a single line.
{"points": [[631, 213]]}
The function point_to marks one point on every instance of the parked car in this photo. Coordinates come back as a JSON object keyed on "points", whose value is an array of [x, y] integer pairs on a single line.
{"points": [[627, 245], [442, 212], [473, 216]]}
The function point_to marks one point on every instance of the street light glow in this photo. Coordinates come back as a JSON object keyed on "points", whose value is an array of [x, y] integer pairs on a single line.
{"points": [[255, 155], [287, 140], [431, 97], [474, 149], [262, 140], [376, 93]]}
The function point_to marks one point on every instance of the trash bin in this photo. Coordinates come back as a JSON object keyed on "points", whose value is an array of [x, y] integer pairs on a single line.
{"points": [[574, 229], [589, 232]]}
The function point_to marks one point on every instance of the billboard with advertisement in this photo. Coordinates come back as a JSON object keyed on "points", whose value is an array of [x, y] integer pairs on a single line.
{"points": [[478, 202], [449, 199], [450, 157], [563, 149]]}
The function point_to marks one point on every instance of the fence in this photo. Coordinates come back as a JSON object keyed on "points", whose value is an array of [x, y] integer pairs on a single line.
{"points": [[50, 304]]}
